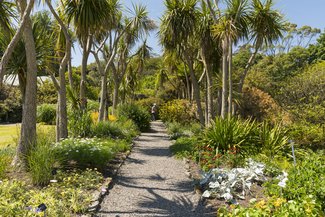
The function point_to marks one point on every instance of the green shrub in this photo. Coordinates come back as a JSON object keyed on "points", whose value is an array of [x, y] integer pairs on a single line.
{"points": [[179, 111], [177, 130], [306, 134], [46, 113], [6, 155], [92, 105], [41, 161], [139, 115], [148, 103], [184, 147], [307, 179], [89, 152], [79, 123], [120, 129]]}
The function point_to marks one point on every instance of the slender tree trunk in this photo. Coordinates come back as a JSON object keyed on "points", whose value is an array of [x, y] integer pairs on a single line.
{"points": [[208, 70], [196, 91], [230, 99], [103, 93], [70, 74], [247, 67], [219, 101], [115, 94], [25, 12], [85, 54], [224, 107], [28, 126]]}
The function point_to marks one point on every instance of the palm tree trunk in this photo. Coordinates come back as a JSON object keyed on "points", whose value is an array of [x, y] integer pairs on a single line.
{"points": [[208, 70], [28, 126], [196, 91], [230, 99], [115, 94], [85, 54], [247, 67], [224, 105], [103, 92], [25, 12]]}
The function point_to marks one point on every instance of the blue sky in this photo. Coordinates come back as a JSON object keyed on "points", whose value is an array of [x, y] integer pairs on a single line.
{"points": [[300, 12]]}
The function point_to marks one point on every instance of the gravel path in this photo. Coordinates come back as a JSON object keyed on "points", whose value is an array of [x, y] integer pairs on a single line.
{"points": [[152, 182]]}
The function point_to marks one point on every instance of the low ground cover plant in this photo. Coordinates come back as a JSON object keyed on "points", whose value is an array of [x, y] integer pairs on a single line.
{"points": [[65, 197]]}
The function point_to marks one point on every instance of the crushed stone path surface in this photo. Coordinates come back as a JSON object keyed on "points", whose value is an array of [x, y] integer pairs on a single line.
{"points": [[152, 182]]}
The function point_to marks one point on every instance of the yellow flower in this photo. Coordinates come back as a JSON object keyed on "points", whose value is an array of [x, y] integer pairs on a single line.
{"points": [[112, 118], [278, 202], [94, 117], [261, 204]]}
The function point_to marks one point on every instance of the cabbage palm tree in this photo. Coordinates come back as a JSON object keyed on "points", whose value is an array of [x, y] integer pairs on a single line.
{"points": [[266, 27], [231, 27], [178, 32], [89, 19], [136, 28]]}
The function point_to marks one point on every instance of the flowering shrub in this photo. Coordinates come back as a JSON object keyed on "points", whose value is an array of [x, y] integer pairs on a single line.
{"points": [[89, 152], [180, 111], [275, 206]]}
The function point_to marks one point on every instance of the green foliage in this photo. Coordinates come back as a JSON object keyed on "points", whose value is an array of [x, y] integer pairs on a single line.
{"points": [[41, 161], [306, 180], [80, 123], [148, 102], [184, 147], [307, 134], [89, 153], [177, 130], [65, 198], [6, 155], [47, 93], [92, 105], [10, 104], [121, 129], [46, 113], [275, 206], [140, 116], [229, 133], [272, 139], [179, 111]]}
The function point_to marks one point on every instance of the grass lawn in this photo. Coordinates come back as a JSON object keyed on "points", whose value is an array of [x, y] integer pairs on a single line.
{"points": [[9, 133]]}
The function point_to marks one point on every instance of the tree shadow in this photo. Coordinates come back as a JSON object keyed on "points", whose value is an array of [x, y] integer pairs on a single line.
{"points": [[157, 152]]}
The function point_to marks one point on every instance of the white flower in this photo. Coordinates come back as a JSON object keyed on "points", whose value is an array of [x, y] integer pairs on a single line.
{"points": [[53, 181], [77, 151]]}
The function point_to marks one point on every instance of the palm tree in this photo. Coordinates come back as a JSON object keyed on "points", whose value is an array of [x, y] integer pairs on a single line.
{"points": [[266, 26], [136, 28], [231, 27], [210, 54], [28, 125], [64, 58], [178, 33], [90, 20]]}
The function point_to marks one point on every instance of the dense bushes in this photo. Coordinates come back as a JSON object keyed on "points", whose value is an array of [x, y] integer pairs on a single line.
{"points": [[89, 152], [46, 113], [6, 155], [139, 115], [120, 129], [179, 111], [10, 104]]}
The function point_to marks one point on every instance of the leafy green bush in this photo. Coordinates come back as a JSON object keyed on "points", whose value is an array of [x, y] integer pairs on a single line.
{"points": [[306, 180], [148, 103], [306, 134], [121, 129], [6, 155], [139, 115], [179, 111], [92, 105], [89, 152], [11, 105], [177, 130], [79, 123], [184, 147], [41, 161], [46, 113]]}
